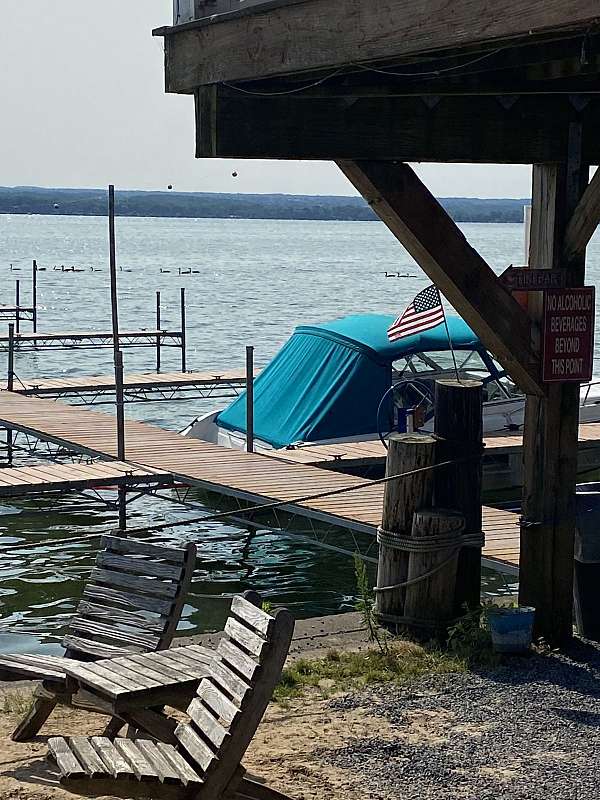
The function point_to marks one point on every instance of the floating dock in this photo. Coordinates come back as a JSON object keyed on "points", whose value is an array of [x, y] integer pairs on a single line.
{"points": [[12, 312], [86, 340], [369, 453], [48, 478], [137, 387], [252, 478], [502, 459]]}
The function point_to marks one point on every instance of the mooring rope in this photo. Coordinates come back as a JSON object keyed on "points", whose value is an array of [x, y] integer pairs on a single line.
{"points": [[419, 578], [250, 510], [450, 540]]}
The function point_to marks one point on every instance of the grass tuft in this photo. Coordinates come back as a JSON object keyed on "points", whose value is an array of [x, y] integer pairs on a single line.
{"points": [[16, 702], [403, 662]]}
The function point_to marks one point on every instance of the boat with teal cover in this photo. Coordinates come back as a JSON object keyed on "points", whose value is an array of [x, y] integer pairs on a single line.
{"points": [[327, 381], [344, 381]]}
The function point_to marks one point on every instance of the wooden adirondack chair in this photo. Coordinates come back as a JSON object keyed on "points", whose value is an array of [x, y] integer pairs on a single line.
{"points": [[223, 718], [131, 604]]}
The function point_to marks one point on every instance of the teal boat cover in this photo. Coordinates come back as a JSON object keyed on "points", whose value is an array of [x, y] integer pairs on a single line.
{"points": [[327, 381]]}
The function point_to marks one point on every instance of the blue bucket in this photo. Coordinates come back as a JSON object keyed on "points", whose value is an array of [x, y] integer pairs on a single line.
{"points": [[511, 629]]}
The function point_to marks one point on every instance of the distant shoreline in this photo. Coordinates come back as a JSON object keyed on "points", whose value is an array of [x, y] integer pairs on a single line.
{"points": [[24, 200]]}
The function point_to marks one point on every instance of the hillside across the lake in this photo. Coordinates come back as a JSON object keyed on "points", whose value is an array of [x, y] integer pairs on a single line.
{"points": [[92, 202]]}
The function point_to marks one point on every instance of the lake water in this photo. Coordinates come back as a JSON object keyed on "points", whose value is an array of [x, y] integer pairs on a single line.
{"points": [[255, 281]]}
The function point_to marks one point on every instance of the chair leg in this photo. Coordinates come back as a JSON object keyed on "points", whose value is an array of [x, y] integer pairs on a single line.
{"points": [[43, 705], [112, 729], [253, 790]]}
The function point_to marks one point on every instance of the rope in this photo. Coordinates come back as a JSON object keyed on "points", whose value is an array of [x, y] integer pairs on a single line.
{"points": [[431, 544], [413, 581], [453, 540]]}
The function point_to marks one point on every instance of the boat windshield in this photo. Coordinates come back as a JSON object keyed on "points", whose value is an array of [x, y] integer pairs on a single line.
{"points": [[428, 367]]}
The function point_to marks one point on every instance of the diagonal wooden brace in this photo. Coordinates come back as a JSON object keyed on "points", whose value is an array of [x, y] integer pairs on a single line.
{"points": [[436, 243]]}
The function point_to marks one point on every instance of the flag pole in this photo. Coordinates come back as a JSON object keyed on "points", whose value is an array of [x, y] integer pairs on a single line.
{"points": [[450, 341]]}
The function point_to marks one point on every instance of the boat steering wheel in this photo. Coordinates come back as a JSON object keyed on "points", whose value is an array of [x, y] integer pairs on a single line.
{"points": [[409, 393]]}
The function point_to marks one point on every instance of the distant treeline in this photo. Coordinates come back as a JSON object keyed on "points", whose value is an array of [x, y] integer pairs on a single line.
{"points": [[92, 202]]}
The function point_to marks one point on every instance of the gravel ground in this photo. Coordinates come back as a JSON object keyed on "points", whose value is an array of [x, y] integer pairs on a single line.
{"points": [[528, 730]]}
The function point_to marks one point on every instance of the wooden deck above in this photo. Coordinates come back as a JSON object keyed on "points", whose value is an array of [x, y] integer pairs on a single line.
{"points": [[48, 477], [294, 36], [250, 477]]}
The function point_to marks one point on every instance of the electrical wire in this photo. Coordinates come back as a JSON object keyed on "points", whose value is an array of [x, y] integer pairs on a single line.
{"points": [[283, 93], [429, 73], [365, 68]]}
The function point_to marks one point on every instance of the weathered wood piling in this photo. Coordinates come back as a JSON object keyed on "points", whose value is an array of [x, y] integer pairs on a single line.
{"points": [[430, 538], [402, 497]]}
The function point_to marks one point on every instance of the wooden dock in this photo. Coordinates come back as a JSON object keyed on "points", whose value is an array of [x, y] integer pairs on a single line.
{"points": [[253, 478], [87, 340], [48, 478], [11, 312], [371, 453], [138, 387]]}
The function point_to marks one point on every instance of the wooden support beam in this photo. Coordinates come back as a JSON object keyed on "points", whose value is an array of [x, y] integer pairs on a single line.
{"points": [[485, 129], [551, 422], [436, 243], [584, 221], [295, 36]]}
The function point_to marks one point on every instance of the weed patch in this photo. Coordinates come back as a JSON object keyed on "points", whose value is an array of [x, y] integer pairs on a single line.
{"points": [[16, 702], [401, 662]]}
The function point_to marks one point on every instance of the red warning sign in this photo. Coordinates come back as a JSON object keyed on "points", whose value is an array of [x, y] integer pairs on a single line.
{"points": [[569, 317]]}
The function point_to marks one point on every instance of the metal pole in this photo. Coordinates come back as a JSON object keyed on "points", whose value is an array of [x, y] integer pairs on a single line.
{"points": [[122, 490], [118, 355], [10, 385], [183, 342], [11, 357], [17, 304], [250, 399], [158, 329], [34, 294], [113, 272]]}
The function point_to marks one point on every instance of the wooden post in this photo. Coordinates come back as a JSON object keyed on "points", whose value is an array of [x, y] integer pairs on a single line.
{"points": [[551, 422], [117, 354], [17, 304], [429, 602], [183, 331], [459, 424], [158, 323], [402, 497], [249, 399], [34, 295]]}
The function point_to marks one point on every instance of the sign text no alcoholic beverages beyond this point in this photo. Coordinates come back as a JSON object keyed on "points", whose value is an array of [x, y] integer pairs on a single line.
{"points": [[568, 350]]}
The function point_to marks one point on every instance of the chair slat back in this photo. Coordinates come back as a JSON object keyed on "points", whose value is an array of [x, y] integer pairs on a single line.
{"points": [[230, 703], [132, 601]]}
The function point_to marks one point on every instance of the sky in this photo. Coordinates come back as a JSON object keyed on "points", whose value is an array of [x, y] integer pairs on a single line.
{"points": [[83, 105]]}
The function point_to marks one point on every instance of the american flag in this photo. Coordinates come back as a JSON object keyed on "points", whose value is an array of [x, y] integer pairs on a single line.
{"points": [[425, 312]]}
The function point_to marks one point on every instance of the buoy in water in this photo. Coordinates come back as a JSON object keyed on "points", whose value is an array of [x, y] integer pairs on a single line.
{"points": [[234, 174], [170, 186]]}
